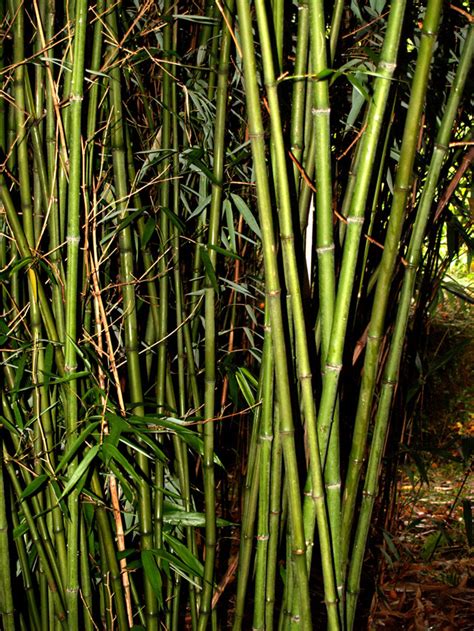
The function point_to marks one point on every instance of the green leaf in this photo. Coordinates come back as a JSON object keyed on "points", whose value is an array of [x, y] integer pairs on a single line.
{"points": [[148, 231], [20, 530], [245, 211], [227, 210], [175, 220], [183, 518], [224, 252], [358, 85], [210, 272], [76, 445], [193, 157], [245, 385], [20, 369], [181, 568], [11, 428], [81, 469], [186, 556], [111, 452], [153, 574], [154, 449], [34, 486]]}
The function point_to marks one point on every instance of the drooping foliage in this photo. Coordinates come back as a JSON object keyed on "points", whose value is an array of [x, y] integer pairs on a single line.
{"points": [[219, 221]]}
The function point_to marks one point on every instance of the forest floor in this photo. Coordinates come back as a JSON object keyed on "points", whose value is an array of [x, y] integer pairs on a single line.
{"points": [[427, 577]]}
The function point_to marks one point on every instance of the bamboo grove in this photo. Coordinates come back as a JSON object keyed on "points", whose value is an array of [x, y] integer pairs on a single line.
{"points": [[220, 232]]}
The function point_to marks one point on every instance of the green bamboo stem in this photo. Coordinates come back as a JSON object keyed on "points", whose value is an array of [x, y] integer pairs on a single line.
{"points": [[17, 10], [256, 133], [210, 318], [34, 618], [3, 107], [299, 88], [164, 280], [52, 165], [7, 607], [355, 221], [326, 275], [336, 19], [375, 205], [130, 315], [273, 520], [392, 367], [278, 14], [72, 281], [86, 580], [110, 555], [265, 449], [94, 91], [38, 543], [323, 196], [246, 539], [301, 343], [389, 257]]}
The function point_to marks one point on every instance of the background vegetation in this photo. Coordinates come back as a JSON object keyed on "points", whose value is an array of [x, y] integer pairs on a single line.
{"points": [[222, 229]]}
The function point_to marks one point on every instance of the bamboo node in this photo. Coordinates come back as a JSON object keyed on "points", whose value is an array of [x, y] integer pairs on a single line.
{"points": [[76, 97], [274, 293], [267, 437], [262, 537], [330, 602], [299, 551], [376, 338], [320, 110], [296, 618], [256, 135], [334, 367], [368, 494], [388, 65], [325, 248], [334, 485], [72, 239], [306, 376], [359, 220]]}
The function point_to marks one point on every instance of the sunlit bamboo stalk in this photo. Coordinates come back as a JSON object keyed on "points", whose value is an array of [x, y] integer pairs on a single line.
{"points": [[273, 292], [392, 367], [391, 244]]}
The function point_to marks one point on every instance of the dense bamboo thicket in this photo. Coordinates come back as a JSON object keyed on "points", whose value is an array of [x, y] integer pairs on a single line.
{"points": [[218, 223]]}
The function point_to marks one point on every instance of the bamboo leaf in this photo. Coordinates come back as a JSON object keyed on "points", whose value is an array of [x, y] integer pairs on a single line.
{"points": [[80, 471], [225, 252], [186, 556], [211, 274], [80, 440], [182, 518], [148, 231], [181, 568], [34, 486], [111, 452], [245, 211], [153, 574], [245, 386]]}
